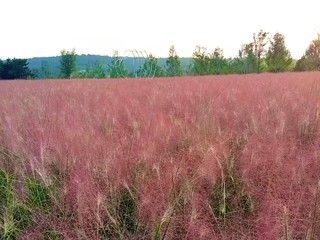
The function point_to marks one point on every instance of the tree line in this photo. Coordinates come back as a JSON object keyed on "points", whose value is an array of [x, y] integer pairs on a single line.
{"points": [[264, 54]]}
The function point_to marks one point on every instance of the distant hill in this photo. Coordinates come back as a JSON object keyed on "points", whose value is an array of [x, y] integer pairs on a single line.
{"points": [[51, 64]]}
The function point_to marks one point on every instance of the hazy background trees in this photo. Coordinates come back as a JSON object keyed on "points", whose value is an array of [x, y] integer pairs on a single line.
{"points": [[262, 54], [45, 70], [95, 71]]}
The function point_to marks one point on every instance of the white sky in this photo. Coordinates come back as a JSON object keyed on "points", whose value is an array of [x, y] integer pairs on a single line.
{"points": [[31, 28]]}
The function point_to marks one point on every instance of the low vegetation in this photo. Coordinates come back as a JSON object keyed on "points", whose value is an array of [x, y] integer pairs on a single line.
{"points": [[218, 157]]}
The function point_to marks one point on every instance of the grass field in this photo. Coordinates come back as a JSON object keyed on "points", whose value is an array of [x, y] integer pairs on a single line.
{"points": [[217, 157]]}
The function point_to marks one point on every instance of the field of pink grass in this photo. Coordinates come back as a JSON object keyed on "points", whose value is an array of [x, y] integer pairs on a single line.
{"points": [[169, 143]]}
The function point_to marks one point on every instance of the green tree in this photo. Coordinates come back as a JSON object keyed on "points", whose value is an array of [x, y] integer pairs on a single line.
{"points": [[200, 61], [246, 61], [150, 68], [259, 43], [278, 57], [173, 64], [15, 69], [310, 61], [218, 64], [116, 67], [0, 67], [302, 64], [67, 63]]}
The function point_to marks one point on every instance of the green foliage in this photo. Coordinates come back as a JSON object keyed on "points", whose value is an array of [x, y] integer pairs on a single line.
{"points": [[156, 234], [67, 63], [14, 216], [116, 67], [310, 61], [15, 69], [313, 54], [21, 215], [252, 58], [278, 57], [302, 64], [218, 64], [200, 62], [78, 74], [173, 64], [150, 68], [1, 63], [38, 196], [235, 65], [8, 230], [250, 55], [97, 71], [246, 61]]}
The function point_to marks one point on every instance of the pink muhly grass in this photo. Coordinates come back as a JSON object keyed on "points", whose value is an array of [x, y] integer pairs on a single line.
{"points": [[162, 145]]}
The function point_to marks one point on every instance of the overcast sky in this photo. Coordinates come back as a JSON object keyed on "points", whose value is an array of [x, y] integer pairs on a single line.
{"points": [[35, 28]]}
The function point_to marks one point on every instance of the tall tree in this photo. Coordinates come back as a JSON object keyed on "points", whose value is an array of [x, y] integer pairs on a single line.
{"points": [[259, 43], [278, 57], [218, 64], [313, 53], [200, 61], [150, 68], [67, 63], [302, 64], [173, 64], [310, 61], [15, 69], [246, 61], [116, 68]]}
